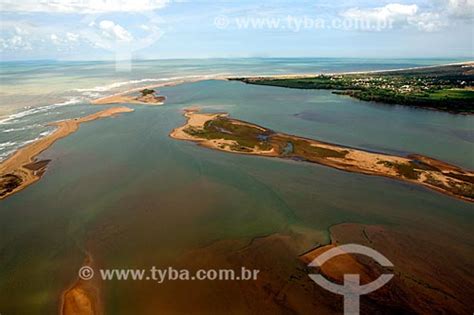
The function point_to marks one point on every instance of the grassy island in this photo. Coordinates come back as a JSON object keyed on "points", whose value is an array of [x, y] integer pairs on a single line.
{"points": [[218, 131]]}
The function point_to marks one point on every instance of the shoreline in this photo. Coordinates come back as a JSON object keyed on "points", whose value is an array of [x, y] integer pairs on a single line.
{"points": [[414, 168], [306, 75], [22, 169], [446, 88], [107, 99]]}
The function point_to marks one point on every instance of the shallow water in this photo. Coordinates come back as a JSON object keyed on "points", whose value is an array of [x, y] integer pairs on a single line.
{"points": [[123, 190]]}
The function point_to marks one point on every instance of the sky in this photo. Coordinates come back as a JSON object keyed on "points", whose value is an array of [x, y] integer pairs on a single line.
{"points": [[156, 29]]}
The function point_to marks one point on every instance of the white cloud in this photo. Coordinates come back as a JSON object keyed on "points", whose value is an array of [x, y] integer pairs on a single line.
{"points": [[392, 12], [428, 22], [16, 42], [400, 15], [81, 6], [21, 31], [21, 36], [14, 38], [67, 38], [72, 37], [461, 8], [115, 31], [55, 39], [443, 13]]}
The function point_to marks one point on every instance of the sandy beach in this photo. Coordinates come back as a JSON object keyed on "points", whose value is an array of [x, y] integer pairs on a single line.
{"points": [[121, 99], [22, 165]]}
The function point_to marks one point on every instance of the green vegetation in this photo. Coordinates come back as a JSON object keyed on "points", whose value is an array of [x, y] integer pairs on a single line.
{"points": [[8, 183], [246, 136], [146, 92], [304, 148], [447, 88], [458, 94], [407, 170], [464, 178], [461, 189]]}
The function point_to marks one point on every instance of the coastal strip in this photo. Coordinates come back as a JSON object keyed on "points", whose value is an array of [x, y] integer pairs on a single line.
{"points": [[219, 132], [448, 88], [22, 169], [311, 75]]}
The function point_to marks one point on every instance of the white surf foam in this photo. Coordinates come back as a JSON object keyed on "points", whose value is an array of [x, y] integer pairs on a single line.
{"points": [[10, 147], [7, 144], [105, 88], [40, 109], [21, 128]]}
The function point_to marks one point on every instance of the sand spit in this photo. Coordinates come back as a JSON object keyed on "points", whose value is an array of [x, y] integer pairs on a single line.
{"points": [[127, 96], [130, 99], [218, 131], [21, 169]]}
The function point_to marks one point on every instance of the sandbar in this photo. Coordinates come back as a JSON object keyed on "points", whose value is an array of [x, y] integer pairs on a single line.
{"points": [[21, 169]]}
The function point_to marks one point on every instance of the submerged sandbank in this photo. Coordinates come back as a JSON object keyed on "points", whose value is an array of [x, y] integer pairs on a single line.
{"points": [[418, 256], [83, 297]]}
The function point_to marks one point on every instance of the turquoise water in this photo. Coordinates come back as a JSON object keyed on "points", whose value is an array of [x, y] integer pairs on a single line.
{"points": [[126, 192], [37, 92]]}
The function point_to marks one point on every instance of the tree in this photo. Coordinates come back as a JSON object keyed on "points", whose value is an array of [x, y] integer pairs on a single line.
{"points": [[146, 92]]}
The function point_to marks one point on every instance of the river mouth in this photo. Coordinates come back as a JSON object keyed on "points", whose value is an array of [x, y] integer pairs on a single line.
{"points": [[162, 202]]}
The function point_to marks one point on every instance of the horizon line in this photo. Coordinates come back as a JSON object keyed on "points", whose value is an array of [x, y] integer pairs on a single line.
{"points": [[466, 58]]}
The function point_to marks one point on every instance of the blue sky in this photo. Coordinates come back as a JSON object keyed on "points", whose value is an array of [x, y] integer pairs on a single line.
{"points": [[153, 29]]}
